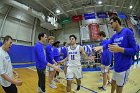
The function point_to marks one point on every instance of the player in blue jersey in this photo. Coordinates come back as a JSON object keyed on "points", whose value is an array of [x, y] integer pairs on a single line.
{"points": [[106, 59], [123, 45], [56, 53], [41, 62], [64, 53], [50, 58]]}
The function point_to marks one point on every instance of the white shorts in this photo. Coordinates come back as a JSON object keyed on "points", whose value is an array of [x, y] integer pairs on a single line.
{"points": [[66, 63], [120, 77], [105, 69], [74, 72], [50, 68]]}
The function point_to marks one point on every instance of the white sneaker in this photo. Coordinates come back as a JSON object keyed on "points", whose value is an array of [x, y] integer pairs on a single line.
{"points": [[44, 92], [53, 82], [101, 80], [39, 89], [53, 86]]}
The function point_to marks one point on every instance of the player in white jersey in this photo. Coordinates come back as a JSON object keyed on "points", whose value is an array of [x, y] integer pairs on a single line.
{"points": [[74, 69]]}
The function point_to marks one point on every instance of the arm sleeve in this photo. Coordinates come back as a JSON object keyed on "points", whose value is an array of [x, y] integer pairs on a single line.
{"points": [[49, 51], [1, 66], [41, 54], [110, 41], [132, 50]]}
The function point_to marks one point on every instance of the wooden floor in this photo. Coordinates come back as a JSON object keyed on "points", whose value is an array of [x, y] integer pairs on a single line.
{"points": [[89, 82]]}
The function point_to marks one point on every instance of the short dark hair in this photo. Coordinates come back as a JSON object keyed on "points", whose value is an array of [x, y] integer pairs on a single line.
{"points": [[73, 36], [41, 35], [102, 33], [64, 43], [115, 18], [6, 38], [56, 43]]}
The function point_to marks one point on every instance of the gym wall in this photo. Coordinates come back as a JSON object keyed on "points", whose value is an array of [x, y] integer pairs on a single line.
{"points": [[19, 25], [68, 29]]}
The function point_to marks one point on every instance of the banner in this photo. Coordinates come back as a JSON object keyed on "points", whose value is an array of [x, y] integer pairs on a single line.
{"points": [[0, 44], [84, 32], [102, 15], [138, 29], [65, 21], [89, 16], [122, 15], [94, 32], [135, 18], [77, 18], [129, 23]]}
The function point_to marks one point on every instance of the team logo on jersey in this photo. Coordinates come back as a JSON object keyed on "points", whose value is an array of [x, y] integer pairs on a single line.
{"points": [[73, 53]]}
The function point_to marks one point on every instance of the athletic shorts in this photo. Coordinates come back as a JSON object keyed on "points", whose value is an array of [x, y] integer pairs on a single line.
{"points": [[121, 77], [50, 68], [105, 69], [74, 72]]}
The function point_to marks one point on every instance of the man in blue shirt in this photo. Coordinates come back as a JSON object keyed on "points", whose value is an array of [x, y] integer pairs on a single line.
{"points": [[123, 45], [106, 59], [50, 58], [41, 62], [56, 58], [56, 51], [64, 53]]}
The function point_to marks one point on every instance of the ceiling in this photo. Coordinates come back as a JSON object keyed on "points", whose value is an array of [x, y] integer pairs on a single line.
{"points": [[69, 8]]}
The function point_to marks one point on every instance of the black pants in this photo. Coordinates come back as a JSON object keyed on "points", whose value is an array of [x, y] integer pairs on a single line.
{"points": [[11, 89], [41, 78]]}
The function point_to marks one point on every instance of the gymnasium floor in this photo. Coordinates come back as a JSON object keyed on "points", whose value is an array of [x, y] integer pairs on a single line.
{"points": [[89, 84]]}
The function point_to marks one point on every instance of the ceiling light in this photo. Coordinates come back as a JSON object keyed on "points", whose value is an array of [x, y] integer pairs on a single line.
{"points": [[100, 2], [131, 7], [57, 11]]}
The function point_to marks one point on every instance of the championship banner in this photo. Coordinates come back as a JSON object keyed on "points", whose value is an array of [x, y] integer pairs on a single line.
{"points": [[65, 21], [77, 18], [0, 43], [122, 15], [138, 29], [89, 16], [102, 15], [84, 32], [129, 23], [94, 32], [135, 17]]}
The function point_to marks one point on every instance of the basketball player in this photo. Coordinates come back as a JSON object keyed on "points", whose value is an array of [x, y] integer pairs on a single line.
{"points": [[64, 53], [106, 58], [74, 68], [123, 45], [7, 80], [50, 58], [56, 58]]}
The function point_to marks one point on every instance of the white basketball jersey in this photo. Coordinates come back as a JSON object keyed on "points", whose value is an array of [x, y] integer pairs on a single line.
{"points": [[74, 56]]}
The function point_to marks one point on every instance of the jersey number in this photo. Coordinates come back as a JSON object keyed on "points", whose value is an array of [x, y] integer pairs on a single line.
{"points": [[72, 57]]}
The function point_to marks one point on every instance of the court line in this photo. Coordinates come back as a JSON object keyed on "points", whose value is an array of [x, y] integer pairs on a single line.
{"points": [[73, 82], [138, 91], [46, 75], [87, 88]]}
